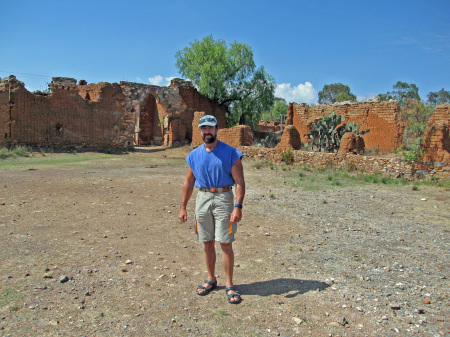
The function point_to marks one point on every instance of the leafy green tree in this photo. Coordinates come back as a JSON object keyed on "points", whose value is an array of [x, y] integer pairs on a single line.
{"points": [[401, 92], [228, 75], [343, 96], [277, 110], [336, 92], [439, 97]]}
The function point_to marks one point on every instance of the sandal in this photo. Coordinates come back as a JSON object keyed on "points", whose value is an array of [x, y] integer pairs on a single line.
{"points": [[231, 296], [206, 291]]}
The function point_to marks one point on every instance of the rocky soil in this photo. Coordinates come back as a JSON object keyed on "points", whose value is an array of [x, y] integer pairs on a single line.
{"points": [[96, 248]]}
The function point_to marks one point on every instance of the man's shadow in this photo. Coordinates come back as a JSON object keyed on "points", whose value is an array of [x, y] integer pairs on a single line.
{"points": [[280, 286]]}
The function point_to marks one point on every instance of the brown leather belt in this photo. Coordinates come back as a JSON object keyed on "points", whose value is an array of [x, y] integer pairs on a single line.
{"points": [[216, 189]]}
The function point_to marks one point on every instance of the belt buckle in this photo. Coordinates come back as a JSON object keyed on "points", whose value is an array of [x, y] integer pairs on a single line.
{"points": [[214, 190]]}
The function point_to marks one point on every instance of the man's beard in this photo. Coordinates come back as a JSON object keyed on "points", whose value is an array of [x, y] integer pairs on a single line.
{"points": [[210, 140]]}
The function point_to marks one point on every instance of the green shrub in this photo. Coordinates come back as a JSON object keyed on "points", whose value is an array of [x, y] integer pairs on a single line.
{"points": [[20, 151], [415, 114], [287, 157]]}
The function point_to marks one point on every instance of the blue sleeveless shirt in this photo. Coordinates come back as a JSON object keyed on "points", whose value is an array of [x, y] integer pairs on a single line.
{"points": [[213, 169]]}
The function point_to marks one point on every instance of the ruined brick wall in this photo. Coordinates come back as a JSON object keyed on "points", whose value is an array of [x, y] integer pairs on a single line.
{"points": [[241, 135], [196, 137], [197, 102], [6, 86], [382, 118], [64, 118], [290, 140], [101, 113], [178, 101], [351, 143], [151, 104], [437, 135], [176, 132], [269, 126]]}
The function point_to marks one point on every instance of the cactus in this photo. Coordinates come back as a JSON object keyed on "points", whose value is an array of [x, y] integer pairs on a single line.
{"points": [[326, 134]]}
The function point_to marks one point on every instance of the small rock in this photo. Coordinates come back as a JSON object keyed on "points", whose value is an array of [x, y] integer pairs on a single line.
{"points": [[426, 301], [395, 306], [128, 262], [64, 279], [343, 321], [297, 320]]}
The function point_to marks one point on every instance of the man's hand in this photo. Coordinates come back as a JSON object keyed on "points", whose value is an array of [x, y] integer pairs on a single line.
{"points": [[183, 215], [236, 216]]}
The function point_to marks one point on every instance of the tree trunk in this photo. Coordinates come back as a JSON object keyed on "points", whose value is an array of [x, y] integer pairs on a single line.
{"points": [[242, 120]]}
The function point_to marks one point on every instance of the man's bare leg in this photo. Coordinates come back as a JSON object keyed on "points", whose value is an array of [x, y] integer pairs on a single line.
{"points": [[228, 265], [210, 258]]}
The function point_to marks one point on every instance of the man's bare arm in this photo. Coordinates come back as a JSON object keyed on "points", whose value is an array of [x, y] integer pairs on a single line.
{"points": [[188, 188], [237, 171]]}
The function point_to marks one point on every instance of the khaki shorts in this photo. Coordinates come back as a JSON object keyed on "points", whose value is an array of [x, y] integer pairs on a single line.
{"points": [[212, 216]]}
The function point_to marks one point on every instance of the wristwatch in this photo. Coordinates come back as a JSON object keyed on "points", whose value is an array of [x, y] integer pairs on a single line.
{"points": [[238, 206]]}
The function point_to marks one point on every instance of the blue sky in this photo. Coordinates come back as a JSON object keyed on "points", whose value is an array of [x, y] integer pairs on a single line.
{"points": [[304, 45]]}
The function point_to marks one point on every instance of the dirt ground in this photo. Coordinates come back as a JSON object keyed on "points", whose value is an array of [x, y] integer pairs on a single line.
{"points": [[95, 247]]}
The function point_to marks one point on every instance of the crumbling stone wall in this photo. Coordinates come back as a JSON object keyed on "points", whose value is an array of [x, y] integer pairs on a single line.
{"points": [[176, 132], [393, 167], [437, 136], [63, 118], [269, 126], [100, 114], [197, 102], [382, 118]]}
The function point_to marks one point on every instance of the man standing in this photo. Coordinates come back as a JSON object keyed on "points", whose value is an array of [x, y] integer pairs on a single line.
{"points": [[214, 168]]}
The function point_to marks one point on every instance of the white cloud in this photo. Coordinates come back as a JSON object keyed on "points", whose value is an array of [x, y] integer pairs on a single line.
{"points": [[302, 93], [366, 97], [159, 80], [156, 80]]}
